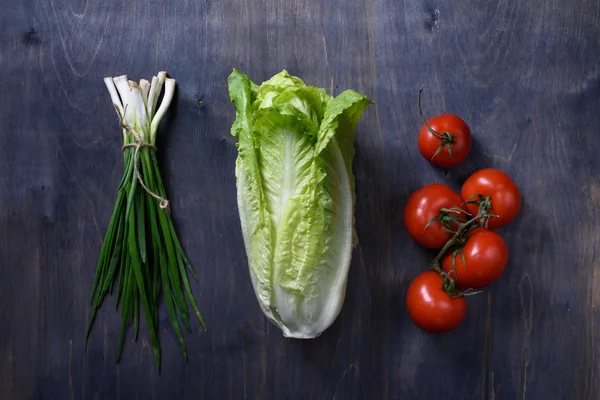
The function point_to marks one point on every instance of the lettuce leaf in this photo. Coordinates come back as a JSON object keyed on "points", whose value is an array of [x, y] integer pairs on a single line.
{"points": [[295, 192]]}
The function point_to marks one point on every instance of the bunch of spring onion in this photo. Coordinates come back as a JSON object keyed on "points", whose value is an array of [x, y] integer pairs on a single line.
{"points": [[141, 256]]}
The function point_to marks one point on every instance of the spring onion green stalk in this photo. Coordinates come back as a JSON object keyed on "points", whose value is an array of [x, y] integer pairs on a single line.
{"points": [[141, 256]]}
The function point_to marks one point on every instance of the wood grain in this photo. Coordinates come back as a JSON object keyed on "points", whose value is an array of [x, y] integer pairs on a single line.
{"points": [[524, 75]]}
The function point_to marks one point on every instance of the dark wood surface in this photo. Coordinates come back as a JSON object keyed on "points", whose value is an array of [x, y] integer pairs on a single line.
{"points": [[524, 74]]}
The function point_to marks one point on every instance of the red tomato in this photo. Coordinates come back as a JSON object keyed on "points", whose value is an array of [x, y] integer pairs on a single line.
{"points": [[503, 191], [424, 205], [457, 138], [430, 307], [486, 255]]}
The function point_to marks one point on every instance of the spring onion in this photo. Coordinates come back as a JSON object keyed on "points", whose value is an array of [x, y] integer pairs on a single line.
{"points": [[141, 255]]}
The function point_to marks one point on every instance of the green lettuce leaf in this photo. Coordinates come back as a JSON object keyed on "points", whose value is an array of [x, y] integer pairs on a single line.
{"points": [[296, 196]]}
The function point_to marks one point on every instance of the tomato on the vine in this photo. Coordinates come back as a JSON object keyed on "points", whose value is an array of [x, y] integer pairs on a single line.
{"points": [[504, 195], [485, 257], [430, 307], [445, 140], [424, 205]]}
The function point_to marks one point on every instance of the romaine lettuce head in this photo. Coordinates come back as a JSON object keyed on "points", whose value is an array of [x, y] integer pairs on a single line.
{"points": [[295, 192]]}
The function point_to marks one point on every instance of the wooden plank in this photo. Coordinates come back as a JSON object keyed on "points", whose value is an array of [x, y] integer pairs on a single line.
{"points": [[524, 75]]}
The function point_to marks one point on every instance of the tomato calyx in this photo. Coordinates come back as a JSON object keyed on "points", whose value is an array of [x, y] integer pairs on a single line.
{"points": [[447, 138], [449, 218], [486, 203], [458, 240]]}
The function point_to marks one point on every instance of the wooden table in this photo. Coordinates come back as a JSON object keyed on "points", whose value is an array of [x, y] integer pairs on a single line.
{"points": [[525, 75]]}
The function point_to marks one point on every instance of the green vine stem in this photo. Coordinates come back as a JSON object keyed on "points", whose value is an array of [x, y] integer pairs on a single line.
{"points": [[458, 240]]}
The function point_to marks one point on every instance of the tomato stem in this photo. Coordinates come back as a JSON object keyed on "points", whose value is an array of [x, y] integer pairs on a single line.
{"points": [[457, 240], [447, 138]]}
